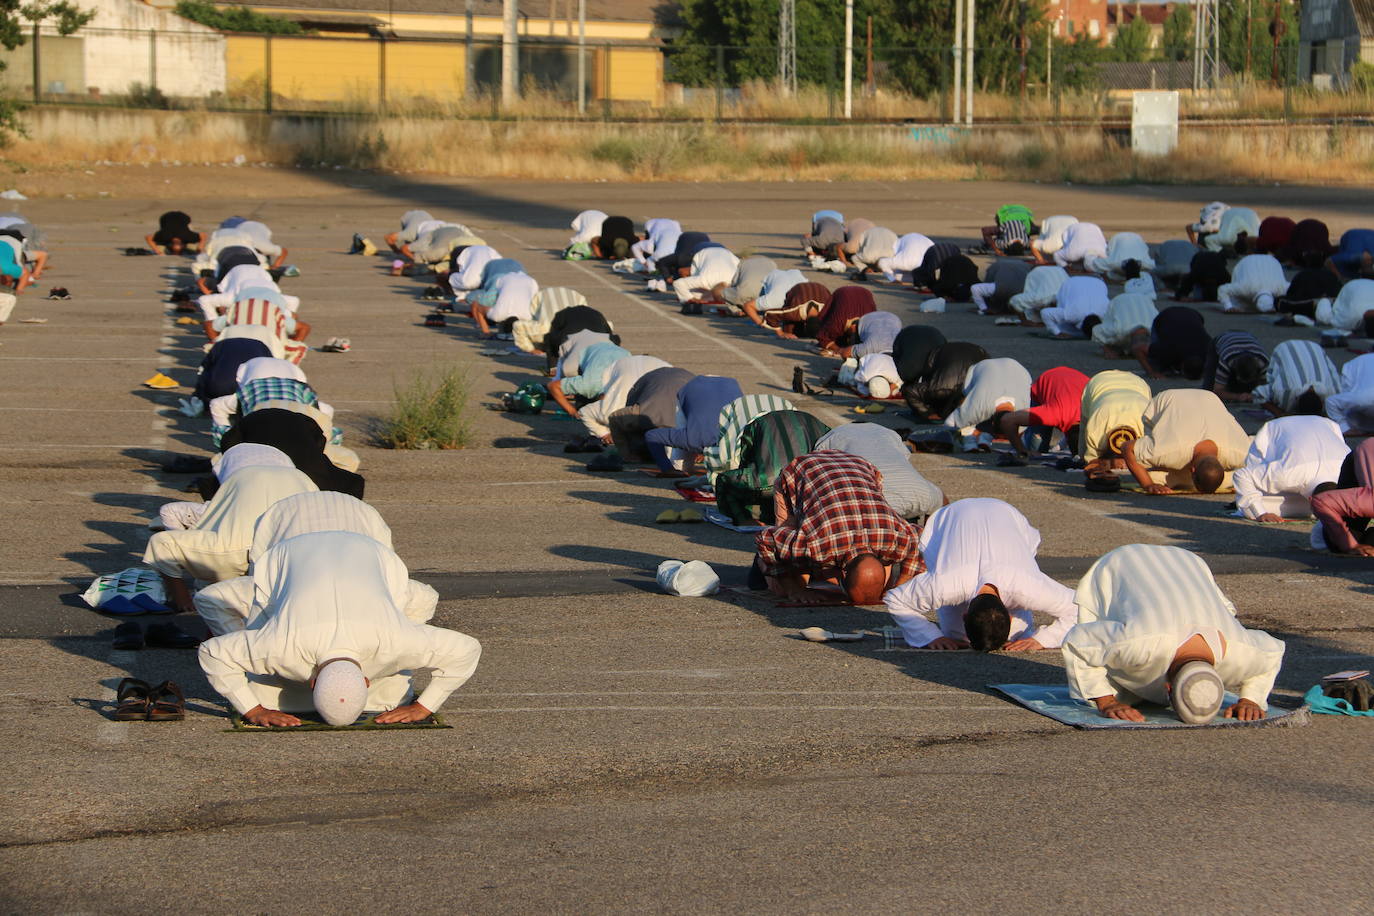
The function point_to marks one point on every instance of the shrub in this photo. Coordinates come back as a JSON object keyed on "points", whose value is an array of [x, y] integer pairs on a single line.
{"points": [[431, 412], [235, 18]]}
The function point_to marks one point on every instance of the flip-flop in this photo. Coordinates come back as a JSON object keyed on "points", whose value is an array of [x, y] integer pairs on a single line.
{"points": [[166, 703], [131, 700], [158, 380], [690, 516], [128, 637], [668, 517]]}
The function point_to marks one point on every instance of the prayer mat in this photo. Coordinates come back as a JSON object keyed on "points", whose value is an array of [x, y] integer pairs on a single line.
{"points": [[716, 517], [894, 641], [310, 723], [696, 494], [1054, 702], [1236, 513]]}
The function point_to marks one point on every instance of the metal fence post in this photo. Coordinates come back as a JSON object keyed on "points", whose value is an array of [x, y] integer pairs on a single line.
{"points": [[267, 73], [381, 74], [606, 82], [37, 70], [720, 79]]}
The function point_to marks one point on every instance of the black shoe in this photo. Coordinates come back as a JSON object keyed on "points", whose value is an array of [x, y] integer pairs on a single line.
{"points": [[188, 464], [127, 637], [799, 380], [607, 462], [691, 308], [169, 636]]}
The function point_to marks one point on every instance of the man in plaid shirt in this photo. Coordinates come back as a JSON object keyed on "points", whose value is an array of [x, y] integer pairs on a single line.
{"points": [[833, 524], [261, 381]]}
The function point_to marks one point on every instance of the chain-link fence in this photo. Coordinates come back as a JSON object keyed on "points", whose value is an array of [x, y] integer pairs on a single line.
{"points": [[1028, 80]]}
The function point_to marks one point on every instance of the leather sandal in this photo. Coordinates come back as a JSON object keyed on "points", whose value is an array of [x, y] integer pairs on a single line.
{"points": [[131, 700], [166, 703]]}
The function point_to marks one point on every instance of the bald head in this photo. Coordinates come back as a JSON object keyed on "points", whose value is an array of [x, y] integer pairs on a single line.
{"points": [[865, 580], [1208, 474]]}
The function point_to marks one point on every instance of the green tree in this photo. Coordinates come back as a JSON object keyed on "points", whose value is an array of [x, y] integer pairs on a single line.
{"points": [[1236, 15], [1177, 42], [912, 41], [16, 24], [1131, 42]]}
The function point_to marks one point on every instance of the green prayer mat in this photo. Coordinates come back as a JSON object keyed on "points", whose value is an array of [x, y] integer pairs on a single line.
{"points": [[311, 723]]}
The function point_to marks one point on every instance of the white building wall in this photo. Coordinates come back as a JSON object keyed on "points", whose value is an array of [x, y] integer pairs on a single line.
{"points": [[187, 60]]}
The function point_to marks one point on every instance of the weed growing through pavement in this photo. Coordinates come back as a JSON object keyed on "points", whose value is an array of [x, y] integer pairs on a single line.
{"points": [[431, 412]]}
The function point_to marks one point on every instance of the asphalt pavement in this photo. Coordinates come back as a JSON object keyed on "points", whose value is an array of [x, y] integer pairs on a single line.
{"points": [[620, 750]]}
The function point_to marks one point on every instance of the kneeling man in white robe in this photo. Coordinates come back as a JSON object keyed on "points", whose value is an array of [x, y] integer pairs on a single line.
{"points": [[333, 624], [1153, 625]]}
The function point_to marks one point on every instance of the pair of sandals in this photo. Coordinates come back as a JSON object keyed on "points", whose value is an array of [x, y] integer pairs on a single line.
{"points": [[136, 701], [689, 516], [337, 345]]}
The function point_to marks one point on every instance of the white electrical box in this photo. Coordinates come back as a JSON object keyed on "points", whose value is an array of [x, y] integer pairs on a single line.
{"points": [[1154, 123]]}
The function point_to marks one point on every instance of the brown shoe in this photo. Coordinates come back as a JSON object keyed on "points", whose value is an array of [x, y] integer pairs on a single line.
{"points": [[131, 701], [166, 703]]}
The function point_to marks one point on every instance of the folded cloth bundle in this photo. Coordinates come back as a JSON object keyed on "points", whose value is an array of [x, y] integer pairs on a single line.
{"points": [[692, 579]]}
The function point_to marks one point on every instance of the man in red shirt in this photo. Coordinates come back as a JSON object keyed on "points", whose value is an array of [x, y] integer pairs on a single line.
{"points": [[1057, 399], [833, 525]]}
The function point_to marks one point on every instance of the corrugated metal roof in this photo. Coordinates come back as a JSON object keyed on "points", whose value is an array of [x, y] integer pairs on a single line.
{"points": [[1364, 16]]}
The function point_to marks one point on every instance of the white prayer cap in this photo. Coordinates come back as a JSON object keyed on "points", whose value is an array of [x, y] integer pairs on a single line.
{"points": [[687, 580], [1196, 693], [340, 692]]}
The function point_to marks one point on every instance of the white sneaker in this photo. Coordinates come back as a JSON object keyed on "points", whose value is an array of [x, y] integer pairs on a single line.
{"points": [[836, 267], [624, 267]]}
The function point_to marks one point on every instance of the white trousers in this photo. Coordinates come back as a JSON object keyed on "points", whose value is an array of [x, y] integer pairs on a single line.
{"points": [[980, 293], [1234, 299], [7, 301]]}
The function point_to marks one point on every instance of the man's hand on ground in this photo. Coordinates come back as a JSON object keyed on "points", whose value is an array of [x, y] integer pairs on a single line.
{"points": [[1023, 645], [260, 715], [1158, 489], [1245, 711], [412, 712], [945, 643], [1112, 708], [1270, 518]]}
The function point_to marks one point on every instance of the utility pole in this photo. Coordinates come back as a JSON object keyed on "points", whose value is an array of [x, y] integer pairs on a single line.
{"points": [[968, 66], [510, 49], [1021, 48], [958, 53], [848, 58], [469, 64], [787, 46], [869, 87], [582, 57]]}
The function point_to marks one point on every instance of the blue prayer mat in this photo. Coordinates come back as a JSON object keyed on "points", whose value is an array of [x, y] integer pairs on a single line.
{"points": [[1054, 701]]}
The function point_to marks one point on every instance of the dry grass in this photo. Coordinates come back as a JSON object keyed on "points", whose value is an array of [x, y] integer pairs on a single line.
{"points": [[705, 151]]}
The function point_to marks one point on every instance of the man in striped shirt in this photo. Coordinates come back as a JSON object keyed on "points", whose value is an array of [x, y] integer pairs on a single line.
{"points": [[833, 525], [1299, 379], [1235, 365]]}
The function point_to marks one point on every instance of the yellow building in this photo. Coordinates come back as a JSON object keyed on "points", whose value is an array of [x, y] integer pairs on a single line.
{"points": [[370, 52]]}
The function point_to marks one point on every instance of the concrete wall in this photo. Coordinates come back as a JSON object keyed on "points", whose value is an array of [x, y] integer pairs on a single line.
{"points": [[307, 72], [129, 42]]}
